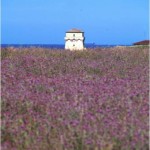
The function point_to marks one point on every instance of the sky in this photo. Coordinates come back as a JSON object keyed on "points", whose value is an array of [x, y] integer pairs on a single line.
{"points": [[104, 22]]}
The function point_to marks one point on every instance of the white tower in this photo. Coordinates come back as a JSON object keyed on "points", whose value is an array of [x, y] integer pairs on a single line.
{"points": [[74, 40]]}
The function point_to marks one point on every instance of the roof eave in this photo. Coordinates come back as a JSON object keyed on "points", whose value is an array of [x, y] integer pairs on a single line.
{"points": [[74, 32]]}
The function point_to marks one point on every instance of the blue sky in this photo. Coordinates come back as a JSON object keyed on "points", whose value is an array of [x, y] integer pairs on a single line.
{"points": [[103, 21]]}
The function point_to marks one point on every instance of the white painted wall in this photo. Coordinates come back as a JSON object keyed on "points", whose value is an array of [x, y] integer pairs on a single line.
{"points": [[74, 41]]}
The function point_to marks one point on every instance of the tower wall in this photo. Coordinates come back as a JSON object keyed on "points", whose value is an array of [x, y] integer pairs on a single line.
{"points": [[74, 41]]}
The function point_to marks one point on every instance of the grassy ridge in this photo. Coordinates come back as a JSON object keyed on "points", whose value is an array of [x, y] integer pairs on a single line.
{"points": [[63, 100]]}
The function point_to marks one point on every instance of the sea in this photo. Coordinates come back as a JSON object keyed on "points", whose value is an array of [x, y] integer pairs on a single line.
{"points": [[54, 46]]}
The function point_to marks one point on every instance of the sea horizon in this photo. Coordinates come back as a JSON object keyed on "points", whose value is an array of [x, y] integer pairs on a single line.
{"points": [[58, 46]]}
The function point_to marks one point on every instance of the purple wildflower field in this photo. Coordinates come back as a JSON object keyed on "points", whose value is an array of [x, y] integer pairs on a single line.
{"points": [[83, 100]]}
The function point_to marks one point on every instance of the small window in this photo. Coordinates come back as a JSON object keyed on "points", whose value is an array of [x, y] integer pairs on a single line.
{"points": [[73, 35]]}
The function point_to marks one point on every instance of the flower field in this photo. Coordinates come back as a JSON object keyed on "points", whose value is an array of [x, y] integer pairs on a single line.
{"points": [[83, 100]]}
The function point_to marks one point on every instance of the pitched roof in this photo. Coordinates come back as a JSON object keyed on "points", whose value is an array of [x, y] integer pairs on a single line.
{"points": [[74, 31]]}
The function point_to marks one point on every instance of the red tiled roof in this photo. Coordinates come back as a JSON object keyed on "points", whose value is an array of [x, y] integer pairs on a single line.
{"points": [[75, 31]]}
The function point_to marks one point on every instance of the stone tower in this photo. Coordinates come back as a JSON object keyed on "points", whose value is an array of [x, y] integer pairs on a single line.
{"points": [[74, 40]]}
